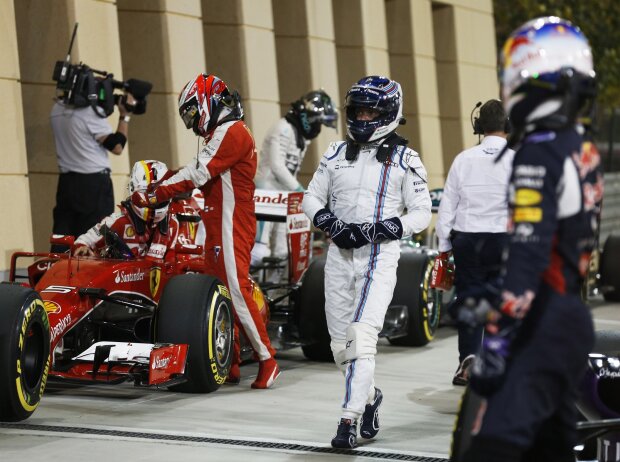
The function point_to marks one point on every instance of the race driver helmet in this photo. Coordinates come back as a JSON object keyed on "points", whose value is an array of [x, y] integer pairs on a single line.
{"points": [[204, 100], [381, 94], [143, 174], [546, 75], [311, 111]]}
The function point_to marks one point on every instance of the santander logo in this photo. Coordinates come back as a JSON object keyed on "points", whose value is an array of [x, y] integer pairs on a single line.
{"points": [[161, 363], [121, 276]]}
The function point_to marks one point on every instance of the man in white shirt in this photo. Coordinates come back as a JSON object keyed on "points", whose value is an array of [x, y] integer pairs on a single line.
{"points": [[83, 138], [473, 217]]}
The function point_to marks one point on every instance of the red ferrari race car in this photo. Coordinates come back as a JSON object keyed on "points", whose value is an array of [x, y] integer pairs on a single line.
{"points": [[113, 318]]}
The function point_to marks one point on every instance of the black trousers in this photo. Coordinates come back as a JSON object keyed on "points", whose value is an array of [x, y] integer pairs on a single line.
{"points": [[82, 201], [532, 416], [478, 259]]}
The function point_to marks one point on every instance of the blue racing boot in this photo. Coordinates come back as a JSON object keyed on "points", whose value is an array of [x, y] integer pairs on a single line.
{"points": [[346, 435], [369, 423]]}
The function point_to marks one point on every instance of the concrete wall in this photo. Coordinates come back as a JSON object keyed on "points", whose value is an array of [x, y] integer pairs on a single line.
{"points": [[14, 178], [272, 51]]}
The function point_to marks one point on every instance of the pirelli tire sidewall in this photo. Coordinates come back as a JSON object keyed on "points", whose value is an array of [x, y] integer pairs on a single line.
{"points": [[196, 309], [423, 303], [24, 351]]}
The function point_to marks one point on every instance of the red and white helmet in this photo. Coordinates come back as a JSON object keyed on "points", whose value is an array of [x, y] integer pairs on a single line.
{"points": [[202, 100], [143, 174]]}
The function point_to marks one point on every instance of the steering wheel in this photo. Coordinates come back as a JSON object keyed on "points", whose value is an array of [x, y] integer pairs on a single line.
{"points": [[115, 247]]}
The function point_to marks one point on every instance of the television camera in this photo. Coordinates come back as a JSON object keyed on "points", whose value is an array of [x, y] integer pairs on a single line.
{"points": [[79, 85]]}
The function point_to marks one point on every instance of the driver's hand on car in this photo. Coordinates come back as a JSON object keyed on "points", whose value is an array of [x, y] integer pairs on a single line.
{"points": [[83, 251]]}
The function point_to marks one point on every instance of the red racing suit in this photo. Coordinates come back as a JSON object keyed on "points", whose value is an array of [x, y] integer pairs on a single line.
{"points": [[152, 242], [224, 171]]}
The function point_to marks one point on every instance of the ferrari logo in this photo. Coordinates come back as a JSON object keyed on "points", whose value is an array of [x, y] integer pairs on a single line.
{"points": [[154, 279], [192, 231]]}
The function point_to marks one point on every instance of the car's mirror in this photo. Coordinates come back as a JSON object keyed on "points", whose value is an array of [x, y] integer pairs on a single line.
{"points": [[62, 239]]}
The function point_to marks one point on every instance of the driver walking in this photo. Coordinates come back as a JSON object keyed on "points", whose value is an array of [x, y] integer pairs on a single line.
{"points": [[148, 231], [358, 196]]}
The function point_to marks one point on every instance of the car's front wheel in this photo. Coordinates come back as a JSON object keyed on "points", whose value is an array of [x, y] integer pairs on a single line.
{"points": [[24, 351], [196, 309]]}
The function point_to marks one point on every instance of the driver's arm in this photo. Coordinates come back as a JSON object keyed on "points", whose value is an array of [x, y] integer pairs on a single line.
{"points": [[228, 145], [92, 239]]}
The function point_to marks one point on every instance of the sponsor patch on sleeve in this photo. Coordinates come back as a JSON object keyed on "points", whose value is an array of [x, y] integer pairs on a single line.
{"points": [[528, 214], [525, 197]]}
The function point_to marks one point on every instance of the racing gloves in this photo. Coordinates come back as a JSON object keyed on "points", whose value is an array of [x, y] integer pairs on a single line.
{"points": [[338, 231], [354, 236], [501, 326], [146, 198], [369, 233], [489, 368]]}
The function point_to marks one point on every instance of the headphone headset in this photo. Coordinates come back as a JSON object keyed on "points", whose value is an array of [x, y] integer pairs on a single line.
{"points": [[477, 126], [475, 121]]}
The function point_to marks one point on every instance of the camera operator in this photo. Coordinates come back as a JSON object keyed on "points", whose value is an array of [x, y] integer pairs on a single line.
{"points": [[83, 138]]}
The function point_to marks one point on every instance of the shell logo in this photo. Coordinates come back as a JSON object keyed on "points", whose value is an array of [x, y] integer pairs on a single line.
{"points": [[51, 307]]}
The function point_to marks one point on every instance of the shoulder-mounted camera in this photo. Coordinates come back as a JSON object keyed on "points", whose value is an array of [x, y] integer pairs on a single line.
{"points": [[81, 86]]}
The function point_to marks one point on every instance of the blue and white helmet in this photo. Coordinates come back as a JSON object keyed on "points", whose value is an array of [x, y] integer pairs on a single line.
{"points": [[381, 94]]}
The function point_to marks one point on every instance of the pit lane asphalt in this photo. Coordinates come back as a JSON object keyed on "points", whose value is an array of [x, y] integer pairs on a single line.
{"points": [[294, 421]]}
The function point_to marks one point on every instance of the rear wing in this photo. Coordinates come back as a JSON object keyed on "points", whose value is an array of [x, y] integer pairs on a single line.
{"points": [[271, 205], [285, 207]]}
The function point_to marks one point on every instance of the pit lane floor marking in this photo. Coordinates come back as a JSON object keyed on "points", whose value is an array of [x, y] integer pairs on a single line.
{"points": [[260, 444]]}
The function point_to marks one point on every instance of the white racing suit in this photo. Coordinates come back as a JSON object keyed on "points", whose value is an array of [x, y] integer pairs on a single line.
{"points": [[359, 283], [279, 163]]}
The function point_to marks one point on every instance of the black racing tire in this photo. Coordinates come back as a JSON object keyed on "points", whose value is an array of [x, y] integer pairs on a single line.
{"points": [[423, 303], [24, 351], [311, 319], [610, 268], [196, 309], [465, 421]]}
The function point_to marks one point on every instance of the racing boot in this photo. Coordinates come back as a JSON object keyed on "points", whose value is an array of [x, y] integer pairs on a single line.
{"points": [[369, 422], [268, 372], [346, 435]]}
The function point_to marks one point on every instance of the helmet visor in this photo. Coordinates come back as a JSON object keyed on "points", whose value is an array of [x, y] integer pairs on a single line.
{"points": [[188, 113]]}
